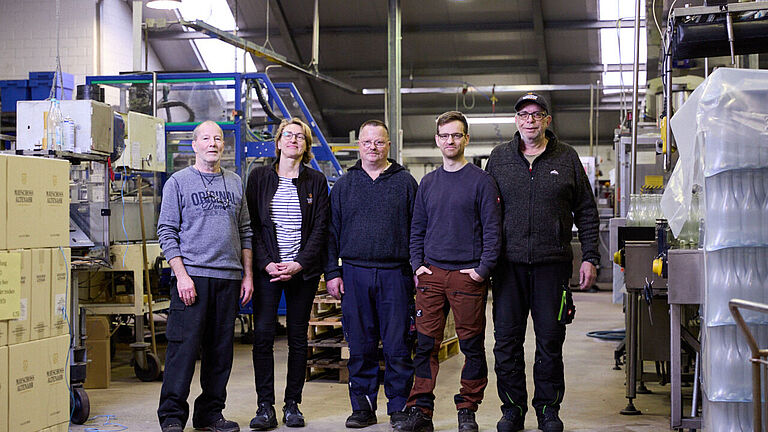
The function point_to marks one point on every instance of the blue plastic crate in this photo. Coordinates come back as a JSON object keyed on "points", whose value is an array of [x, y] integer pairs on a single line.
{"points": [[40, 85], [12, 91]]}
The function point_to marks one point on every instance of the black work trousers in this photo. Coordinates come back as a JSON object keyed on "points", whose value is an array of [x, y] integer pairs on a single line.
{"points": [[209, 323], [299, 296], [518, 289]]}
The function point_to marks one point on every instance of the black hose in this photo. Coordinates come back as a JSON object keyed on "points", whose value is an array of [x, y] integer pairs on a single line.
{"points": [[612, 335], [274, 119], [167, 105]]}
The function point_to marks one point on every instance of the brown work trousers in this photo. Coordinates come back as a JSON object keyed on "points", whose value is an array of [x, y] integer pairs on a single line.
{"points": [[436, 294]]}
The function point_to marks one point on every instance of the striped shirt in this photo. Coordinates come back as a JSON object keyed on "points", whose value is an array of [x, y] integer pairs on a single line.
{"points": [[286, 214]]}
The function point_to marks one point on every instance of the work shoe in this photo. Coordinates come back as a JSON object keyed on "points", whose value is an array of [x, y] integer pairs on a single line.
{"points": [[174, 427], [221, 425], [360, 419], [511, 421], [549, 421], [397, 417], [467, 421], [292, 417], [265, 419], [417, 421]]}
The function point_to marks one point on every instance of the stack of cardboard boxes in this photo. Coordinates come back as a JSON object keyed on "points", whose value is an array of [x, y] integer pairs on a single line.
{"points": [[34, 294]]}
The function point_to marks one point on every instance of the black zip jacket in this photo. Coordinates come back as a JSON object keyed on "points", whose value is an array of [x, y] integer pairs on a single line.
{"points": [[312, 189], [371, 219], [542, 203]]}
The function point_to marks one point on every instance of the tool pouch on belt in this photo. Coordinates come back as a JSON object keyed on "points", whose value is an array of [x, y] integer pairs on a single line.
{"points": [[567, 308]]}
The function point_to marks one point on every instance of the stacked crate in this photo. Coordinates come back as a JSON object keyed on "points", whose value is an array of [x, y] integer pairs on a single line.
{"points": [[34, 293], [328, 353]]}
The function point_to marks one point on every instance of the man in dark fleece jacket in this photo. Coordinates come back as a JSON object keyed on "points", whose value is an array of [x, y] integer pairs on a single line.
{"points": [[455, 242], [371, 210], [545, 191]]}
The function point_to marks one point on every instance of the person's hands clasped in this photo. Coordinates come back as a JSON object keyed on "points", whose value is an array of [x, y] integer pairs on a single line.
{"points": [[186, 288], [282, 272], [473, 274]]}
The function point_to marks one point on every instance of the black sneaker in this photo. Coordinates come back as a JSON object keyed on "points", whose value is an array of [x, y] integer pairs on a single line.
{"points": [[292, 417], [221, 425], [467, 421], [397, 417], [174, 427], [360, 419], [511, 421], [265, 419], [417, 421], [549, 421]]}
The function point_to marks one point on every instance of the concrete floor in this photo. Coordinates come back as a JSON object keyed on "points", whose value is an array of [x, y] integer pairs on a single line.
{"points": [[594, 396]]}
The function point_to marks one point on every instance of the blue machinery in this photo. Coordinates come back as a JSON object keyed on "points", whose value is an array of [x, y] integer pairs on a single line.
{"points": [[234, 121]]}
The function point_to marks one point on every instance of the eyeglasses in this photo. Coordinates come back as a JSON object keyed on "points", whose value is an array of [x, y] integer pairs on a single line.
{"points": [[369, 144], [537, 115], [456, 136], [300, 137]]}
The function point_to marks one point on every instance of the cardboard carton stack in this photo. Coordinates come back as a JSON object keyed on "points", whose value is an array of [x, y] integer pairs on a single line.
{"points": [[34, 293]]}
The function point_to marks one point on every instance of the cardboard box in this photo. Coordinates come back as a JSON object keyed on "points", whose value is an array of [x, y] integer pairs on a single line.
{"points": [[40, 295], [98, 372], [23, 211], [25, 381], [97, 327], [54, 200], [3, 389], [60, 290], [55, 379], [19, 329], [3, 334], [3, 201], [10, 281]]}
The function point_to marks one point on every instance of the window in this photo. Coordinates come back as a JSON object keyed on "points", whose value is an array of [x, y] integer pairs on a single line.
{"points": [[617, 46]]}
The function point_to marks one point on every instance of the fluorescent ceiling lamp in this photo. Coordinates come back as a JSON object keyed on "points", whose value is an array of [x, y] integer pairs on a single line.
{"points": [[164, 4], [611, 10], [491, 120]]}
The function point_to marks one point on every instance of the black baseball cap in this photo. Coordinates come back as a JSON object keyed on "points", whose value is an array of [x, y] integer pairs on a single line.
{"points": [[532, 97]]}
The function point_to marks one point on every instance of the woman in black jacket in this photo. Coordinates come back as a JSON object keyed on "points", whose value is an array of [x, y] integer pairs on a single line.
{"points": [[288, 204]]}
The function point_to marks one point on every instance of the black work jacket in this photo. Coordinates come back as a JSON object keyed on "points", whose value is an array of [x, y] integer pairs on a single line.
{"points": [[542, 203], [312, 188]]}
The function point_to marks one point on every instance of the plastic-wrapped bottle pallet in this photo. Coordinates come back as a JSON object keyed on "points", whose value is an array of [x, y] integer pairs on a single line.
{"points": [[732, 126]]}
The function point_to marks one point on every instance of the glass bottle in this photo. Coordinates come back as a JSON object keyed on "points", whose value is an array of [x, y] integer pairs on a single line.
{"points": [[53, 132], [750, 210], [731, 219]]}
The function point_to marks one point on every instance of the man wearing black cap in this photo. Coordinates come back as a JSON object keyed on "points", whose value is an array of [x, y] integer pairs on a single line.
{"points": [[544, 190]]}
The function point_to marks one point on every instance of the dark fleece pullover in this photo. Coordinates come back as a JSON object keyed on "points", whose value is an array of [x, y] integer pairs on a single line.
{"points": [[370, 219]]}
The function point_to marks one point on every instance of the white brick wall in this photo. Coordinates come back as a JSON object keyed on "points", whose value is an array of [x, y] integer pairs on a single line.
{"points": [[28, 38]]}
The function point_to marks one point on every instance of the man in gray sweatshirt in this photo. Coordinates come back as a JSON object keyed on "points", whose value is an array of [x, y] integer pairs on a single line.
{"points": [[204, 230]]}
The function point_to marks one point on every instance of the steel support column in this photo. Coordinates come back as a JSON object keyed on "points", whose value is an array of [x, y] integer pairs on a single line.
{"points": [[394, 99]]}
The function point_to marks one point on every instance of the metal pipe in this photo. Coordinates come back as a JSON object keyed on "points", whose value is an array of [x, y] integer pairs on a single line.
{"points": [[591, 117], [137, 5], [521, 88], [636, 62], [154, 94], [729, 29], [315, 38], [394, 71], [597, 121]]}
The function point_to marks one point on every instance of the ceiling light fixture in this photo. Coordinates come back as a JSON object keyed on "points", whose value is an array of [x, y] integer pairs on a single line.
{"points": [[491, 119], [164, 4]]}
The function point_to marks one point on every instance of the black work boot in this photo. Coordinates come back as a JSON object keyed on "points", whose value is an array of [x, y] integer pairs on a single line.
{"points": [[221, 425], [360, 419], [265, 419], [292, 417], [511, 421], [467, 421], [417, 421], [549, 421], [397, 417]]}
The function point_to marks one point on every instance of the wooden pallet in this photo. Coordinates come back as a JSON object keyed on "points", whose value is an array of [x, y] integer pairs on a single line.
{"points": [[448, 349]]}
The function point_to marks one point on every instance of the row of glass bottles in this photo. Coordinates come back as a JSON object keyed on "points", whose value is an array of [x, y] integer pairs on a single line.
{"points": [[737, 208], [59, 130], [736, 143], [727, 416], [727, 369], [735, 273], [644, 209]]}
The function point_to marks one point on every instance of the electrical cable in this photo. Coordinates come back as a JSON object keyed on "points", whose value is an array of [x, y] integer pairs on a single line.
{"points": [[610, 335], [108, 422]]}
